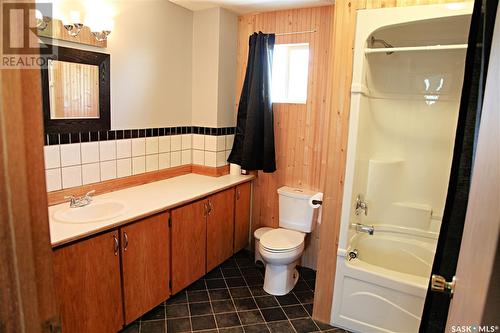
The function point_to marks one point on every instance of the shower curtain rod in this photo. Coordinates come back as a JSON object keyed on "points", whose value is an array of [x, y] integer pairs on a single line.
{"points": [[296, 32]]}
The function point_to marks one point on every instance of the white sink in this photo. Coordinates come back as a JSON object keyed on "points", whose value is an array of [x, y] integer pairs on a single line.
{"points": [[96, 211]]}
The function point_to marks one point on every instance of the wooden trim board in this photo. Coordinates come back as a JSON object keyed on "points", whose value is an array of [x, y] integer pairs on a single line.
{"points": [[57, 197], [210, 171]]}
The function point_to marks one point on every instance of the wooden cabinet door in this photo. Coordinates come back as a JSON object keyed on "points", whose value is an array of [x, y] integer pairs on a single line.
{"points": [[188, 239], [145, 265], [88, 285], [241, 216], [220, 228]]}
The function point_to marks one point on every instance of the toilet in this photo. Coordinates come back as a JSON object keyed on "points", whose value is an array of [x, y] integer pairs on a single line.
{"points": [[281, 249]]}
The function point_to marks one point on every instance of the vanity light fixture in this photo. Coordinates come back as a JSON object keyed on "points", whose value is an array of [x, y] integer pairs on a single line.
{"points": [[74, 28], [41, 21], [101, 35]]}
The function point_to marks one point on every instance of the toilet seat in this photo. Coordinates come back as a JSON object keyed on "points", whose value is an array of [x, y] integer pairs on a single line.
{"points": [[282, 240]]}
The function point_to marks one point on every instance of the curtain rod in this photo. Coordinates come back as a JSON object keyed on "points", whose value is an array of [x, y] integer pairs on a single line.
{"points": [[296, 32]]}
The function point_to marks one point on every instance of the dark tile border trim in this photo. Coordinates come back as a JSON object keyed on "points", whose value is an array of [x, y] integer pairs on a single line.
{"points": [[63, 138]]}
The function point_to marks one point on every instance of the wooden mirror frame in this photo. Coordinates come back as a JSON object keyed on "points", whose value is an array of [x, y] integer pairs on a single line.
{"points": [[103, 123]]}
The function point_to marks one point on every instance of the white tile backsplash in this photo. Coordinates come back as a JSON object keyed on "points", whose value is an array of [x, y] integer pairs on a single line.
{"points": [[210, 159], [198, 141], [221, 143], [107, 150], [123, 148], [175, 143], [152, 145], [175, 159], [138, 147], [70, 154], [186, 141], [210, 143], [90, 152], [186, 157], [90, 173], [229, 141], [221, 158], [108, 170], [71, 176], [164, 144], [151, 163], [53, 179], [71, 165], [164, 161], [198, 157], [52, 156], [138, 165], [124, 167]]}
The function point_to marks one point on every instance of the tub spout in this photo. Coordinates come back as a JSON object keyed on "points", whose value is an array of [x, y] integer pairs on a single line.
{"points": [[369, 229]]}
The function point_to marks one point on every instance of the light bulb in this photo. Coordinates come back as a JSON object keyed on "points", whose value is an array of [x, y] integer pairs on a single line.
{"points": [[38, 14]]}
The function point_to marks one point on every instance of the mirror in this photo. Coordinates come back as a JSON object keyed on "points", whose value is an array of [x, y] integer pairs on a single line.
{"points": [[73, 90], [76, 86]]}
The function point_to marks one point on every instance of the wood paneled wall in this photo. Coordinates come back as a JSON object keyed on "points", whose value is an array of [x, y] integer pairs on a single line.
{"points": [[301, 130], [343, 31]]}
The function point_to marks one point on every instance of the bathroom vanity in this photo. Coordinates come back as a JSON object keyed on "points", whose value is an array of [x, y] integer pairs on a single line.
{"points": [[171, 233]]}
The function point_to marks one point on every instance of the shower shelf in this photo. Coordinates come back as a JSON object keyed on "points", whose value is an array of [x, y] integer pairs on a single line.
{"points": [[416, 48]]}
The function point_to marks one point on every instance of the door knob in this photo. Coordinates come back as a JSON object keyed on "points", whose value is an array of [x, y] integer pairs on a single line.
{"points": [[440, 285]]}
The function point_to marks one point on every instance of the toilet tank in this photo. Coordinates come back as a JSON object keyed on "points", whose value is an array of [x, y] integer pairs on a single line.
{"points": [[295, 213]]}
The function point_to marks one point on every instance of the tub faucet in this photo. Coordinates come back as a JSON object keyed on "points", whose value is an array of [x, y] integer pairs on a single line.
{"points": [[353, 254], [369, 229], [361, 206]]}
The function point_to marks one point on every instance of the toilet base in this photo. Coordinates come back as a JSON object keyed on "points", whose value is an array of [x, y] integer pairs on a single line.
{"points": [[279, 280]]}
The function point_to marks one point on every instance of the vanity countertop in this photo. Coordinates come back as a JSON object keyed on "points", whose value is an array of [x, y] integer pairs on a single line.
{"points": [[142, 201]]}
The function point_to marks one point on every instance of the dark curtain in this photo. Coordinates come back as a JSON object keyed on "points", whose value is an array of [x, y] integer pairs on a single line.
{"points": [[253, 146], [476, 66]]}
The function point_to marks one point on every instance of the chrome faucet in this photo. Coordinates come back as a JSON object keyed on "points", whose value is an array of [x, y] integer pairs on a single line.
{"points": [[75, 202], [369, 229], [361, 206]]}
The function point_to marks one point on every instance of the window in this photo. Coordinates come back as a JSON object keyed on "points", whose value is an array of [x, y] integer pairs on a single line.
{"points": [[290, 73]]}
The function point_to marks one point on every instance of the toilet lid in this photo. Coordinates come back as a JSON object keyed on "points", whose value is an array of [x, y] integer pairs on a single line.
{"points": [[282, 239]]}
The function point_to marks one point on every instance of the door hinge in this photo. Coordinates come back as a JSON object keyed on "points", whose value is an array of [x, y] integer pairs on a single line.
{"points": [[52, 325], [170, 221], [440, 285]]}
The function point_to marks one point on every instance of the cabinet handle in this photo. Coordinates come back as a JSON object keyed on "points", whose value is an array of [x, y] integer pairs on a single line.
{"points": [[205, 209], [117, 246], [125, 236], [211, 207], [238, 193]]}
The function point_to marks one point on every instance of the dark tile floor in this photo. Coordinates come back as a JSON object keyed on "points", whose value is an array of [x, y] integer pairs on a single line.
{"points": [[231, 299]]}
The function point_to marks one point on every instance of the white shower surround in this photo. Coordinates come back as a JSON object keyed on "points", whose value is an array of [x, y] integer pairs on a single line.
{"points": [[382, 291]]}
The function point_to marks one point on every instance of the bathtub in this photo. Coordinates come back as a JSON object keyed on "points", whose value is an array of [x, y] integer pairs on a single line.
{"points": [[384, 288]]}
